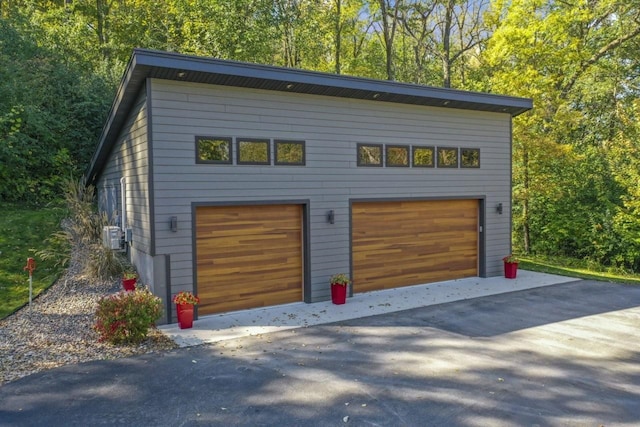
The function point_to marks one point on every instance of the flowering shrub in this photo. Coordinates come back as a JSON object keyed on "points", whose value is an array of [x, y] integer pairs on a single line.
{"points": [[125, 317], [340, 279], [185, 298], [511, 259]]}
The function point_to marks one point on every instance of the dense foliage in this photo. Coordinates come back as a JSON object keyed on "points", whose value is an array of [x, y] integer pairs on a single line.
{"points": [[575, 157], [51, 112]]}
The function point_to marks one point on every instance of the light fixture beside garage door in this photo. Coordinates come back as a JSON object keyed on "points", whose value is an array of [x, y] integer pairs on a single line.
{"points": [[331, 217]]}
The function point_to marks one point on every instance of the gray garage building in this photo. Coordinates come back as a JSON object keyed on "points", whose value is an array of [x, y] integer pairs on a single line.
{"points": [[251, 185]]}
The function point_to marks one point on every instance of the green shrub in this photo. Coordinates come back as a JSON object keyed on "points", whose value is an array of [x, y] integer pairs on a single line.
{"points": [[125, 317]]}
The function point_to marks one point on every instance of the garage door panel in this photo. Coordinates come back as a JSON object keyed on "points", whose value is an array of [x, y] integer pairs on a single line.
{"points": [[412, 242], [404, 277], [248, 233], [248, 256], [278, 270], [253, 289], [255, 243], [243, 302], [264, 259], [416, 265]]}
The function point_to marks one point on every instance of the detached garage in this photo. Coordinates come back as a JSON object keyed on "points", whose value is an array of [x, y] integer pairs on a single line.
{"points": [[251, 185]]}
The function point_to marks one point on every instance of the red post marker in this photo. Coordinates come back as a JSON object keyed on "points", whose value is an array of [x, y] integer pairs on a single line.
{"points": [[31, 265]]}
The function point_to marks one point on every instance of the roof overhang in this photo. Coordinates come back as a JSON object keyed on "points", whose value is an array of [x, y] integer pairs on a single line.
{"points": [[173, 66]]}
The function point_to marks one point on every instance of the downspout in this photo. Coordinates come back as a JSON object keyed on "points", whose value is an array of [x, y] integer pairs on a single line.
{"points": [[123, 197]]}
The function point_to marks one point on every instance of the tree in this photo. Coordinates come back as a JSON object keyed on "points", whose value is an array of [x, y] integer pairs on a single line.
{"points": [[51, 112], [388, 14], [561, 55]]}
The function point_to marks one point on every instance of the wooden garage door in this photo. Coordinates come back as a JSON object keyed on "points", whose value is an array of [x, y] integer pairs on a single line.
{"points": [[248, 256], [407, 243]]}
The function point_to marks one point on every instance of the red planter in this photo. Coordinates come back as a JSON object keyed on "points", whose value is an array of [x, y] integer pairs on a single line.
{"points": [[510, 270], [129, 284], [338, 294], [185, 315]]}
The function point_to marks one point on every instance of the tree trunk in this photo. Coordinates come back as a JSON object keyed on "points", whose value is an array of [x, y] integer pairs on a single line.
{"points": [[389, 25], [102, 11], [338, 39], [446, 45], [526, 232]]}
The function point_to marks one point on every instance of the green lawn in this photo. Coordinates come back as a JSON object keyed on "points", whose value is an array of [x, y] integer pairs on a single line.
{"points": [[576, 268], [24, 230]]}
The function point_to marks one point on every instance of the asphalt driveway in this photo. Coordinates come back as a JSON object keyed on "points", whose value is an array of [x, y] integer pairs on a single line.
{"points": [[562, 355]]}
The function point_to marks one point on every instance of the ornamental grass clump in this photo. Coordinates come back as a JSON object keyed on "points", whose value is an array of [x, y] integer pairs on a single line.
{"points": [[125, 317]]}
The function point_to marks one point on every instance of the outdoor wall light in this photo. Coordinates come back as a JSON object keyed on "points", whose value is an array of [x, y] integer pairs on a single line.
{"points": [[173, 223], [331, 217], [499, 208]]}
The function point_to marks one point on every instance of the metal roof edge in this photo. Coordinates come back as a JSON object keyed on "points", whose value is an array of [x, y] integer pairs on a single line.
{"points": [[183, 62]]}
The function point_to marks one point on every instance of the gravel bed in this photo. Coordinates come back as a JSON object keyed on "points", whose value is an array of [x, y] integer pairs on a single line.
{"points": [[57, 330]]}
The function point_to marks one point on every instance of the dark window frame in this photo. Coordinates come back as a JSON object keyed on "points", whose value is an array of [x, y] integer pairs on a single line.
{"points": [[438, 158], [386, 156], [253, 140], [370, 165], [302, 143], [227, 139], [462, 165], [423, 147]]}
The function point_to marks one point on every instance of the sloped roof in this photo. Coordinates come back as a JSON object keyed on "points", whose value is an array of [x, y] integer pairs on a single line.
{"points": [[173, 66]]}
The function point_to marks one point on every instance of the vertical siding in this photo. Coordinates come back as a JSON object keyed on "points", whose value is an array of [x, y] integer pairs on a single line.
{"points": [[331, 127], [130, 159]]}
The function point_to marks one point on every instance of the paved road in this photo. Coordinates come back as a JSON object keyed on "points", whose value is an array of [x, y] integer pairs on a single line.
{"points": [[563, 355]]}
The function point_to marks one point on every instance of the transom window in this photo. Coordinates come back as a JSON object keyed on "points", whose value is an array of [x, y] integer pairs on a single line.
{"points": [[397, 155], [289, 152], [447, 157], [369, 154], [470, 157], [423, 157], [213, 150], [253, 152]]}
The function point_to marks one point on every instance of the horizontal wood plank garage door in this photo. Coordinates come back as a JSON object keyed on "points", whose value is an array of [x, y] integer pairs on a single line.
{"points": [[413, 242], [248, 256]]}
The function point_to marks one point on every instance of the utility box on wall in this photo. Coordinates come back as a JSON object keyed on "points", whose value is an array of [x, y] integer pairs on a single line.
{"points": [[111, 237]]}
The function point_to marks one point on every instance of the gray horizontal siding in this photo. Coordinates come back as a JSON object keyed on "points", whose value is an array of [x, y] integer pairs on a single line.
{"points": [[129, 159], [332, 128]]}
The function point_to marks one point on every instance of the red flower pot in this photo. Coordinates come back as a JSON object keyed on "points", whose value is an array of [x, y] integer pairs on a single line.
{"points": [[185, 315], [338, 294], [510, 270], [129, 284]]}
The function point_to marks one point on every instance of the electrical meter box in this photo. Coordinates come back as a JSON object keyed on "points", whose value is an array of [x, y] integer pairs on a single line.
{"points": [[111, 237]]}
